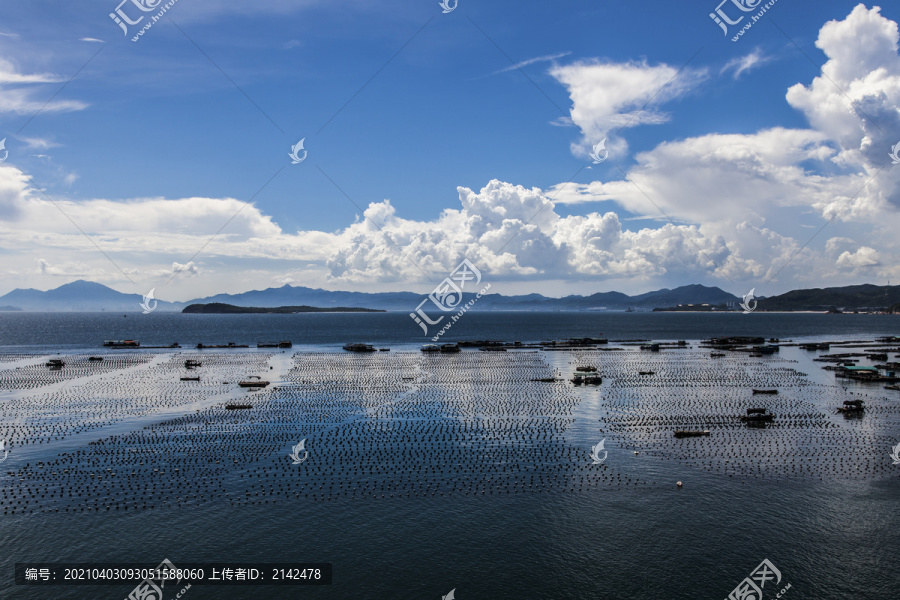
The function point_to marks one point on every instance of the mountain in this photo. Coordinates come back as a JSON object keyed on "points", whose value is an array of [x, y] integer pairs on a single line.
{"points": [[222, 309], [88, 296], [84, 296], [849, 297]]}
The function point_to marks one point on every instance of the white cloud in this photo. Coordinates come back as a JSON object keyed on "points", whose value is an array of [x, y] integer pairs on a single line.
{"points": [[742, 64], [611, 96], [18, 100], [531, 61]]}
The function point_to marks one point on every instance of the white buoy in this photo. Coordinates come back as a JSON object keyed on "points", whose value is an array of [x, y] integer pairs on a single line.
{"points": [[679, 484]]}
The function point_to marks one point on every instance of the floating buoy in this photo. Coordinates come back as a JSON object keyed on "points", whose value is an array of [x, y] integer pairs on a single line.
{"points": [[679, 484]]}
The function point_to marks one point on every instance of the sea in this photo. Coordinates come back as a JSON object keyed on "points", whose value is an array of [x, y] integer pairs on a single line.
{"points": [[831, 536]]}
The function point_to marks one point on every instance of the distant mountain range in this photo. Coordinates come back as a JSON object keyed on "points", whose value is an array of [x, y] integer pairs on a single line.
{"points": [[88, 296]]}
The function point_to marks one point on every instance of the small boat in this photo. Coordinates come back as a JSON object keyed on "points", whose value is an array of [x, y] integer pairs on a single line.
{"points": [[197, 378], [238, 406], [95, 358], [430, 348], [55, 363], [253, 381], [646, 373], [449, 348], [652, 347], [190, 364], [546, 379], [852, 406], [122, 343], [587, 380], [228, 345], [282, 344], [716, 354], [384, 349], [586, 369], [359, 347], [764, 391], [682, 433]]}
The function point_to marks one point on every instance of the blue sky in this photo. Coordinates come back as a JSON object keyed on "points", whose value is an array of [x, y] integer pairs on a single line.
{"points": [[720, 176]]}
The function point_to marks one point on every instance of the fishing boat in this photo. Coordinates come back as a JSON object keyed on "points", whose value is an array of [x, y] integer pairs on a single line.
{"points": [[764, 391], [652, 347], [281, 344], [449, 348], [359, 347], [95, 358], [228, 345], [682, 433], [238, 406], [121, 343], [190, 364], [586, 369], [55, 363], [757, 416], [253, 381], [586, 379], [197, 378], [852, 406], [646, 373], [430, 348]]}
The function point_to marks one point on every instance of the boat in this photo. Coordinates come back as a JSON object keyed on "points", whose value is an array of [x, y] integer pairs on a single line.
{"points": [[190, 364], [716, 354], [121, 343], [431, 348], [587, 380], [253, 381], [55, 363], [228, 345], [651, 347], [852, 406], [757, 416], [546, 379], [586, 369], [449, 348], [359, 347], [281, 344], [95, 358], [197, 378], [646, 373], [238, 406], [764, 391], [682, 433]]}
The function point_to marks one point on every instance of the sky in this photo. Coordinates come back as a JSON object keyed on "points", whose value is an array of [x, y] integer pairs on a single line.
{"points": [[562, 148]]}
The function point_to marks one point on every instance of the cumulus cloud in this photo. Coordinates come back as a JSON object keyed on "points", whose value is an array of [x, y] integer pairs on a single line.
{"points": [[610, 96]]}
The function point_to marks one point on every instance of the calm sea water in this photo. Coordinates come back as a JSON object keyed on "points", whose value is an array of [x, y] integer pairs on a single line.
{"points": [[89, 330], [834, 539]]}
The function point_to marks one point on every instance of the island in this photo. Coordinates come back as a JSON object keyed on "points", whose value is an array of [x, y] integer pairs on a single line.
{"points": [[219, 308]]}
